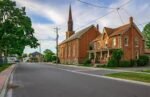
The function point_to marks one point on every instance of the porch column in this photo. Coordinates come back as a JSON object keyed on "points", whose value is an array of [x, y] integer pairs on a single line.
{"points": [[101, 55], [89, 55], [94, 56], [108, 55]]}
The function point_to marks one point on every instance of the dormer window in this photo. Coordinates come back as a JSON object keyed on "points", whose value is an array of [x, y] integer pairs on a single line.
{"points": [[126, 41]]}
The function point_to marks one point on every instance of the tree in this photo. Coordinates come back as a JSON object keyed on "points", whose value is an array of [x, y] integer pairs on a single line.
{"points": [[16, 30], [48, 55], [146, 33], [116, 57], [25, 55]]}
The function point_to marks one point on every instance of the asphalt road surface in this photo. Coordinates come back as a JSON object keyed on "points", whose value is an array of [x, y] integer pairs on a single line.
{"points": [[42, 80]]}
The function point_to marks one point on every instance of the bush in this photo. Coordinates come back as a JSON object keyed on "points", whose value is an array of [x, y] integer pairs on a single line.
{"points": [[132, 62], [87, 62], [125, 64], [143, 60], [112, 63]]}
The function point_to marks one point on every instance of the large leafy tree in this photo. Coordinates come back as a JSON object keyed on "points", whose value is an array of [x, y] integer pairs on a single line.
{"points": [[49, 55], [16, 30], [146, 33]]}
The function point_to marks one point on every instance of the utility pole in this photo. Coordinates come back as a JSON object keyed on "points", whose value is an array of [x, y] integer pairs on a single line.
{"points": [[40, 53], [57, 36]]}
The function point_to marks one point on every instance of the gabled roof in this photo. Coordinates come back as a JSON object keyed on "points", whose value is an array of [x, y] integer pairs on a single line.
{"points": [[97, 38], [120, 30], [108, 30], [78, 34]]}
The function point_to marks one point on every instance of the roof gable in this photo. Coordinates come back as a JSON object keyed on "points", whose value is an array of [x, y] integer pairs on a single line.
{"points": [[120, 30], [78, 34]]}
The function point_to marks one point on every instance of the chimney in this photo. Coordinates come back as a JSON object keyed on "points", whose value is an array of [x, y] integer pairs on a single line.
{"points": [[131, 20], [97, 26]]}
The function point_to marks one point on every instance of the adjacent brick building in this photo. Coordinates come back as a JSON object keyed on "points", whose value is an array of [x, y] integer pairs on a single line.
{"points": [[89, 42], [127, 37]]}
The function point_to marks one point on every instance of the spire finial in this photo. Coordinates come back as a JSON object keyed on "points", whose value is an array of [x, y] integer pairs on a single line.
{"points": [[70, 13], [70, 21]]}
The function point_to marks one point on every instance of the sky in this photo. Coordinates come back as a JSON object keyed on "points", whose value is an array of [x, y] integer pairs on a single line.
{"points": [[48, 14]]}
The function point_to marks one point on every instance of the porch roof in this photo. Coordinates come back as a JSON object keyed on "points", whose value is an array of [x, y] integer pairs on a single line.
{"points": [[103, 49]]}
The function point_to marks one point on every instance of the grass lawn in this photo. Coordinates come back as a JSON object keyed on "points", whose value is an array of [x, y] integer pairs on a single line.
{"points": [[131, 76], [148, 71], [4, 66]]}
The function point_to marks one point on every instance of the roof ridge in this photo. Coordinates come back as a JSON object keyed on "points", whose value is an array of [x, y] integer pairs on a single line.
{"points": [[77, 34]]}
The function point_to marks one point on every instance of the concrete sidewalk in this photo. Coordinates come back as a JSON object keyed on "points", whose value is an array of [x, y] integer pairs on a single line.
{"points": [[4, 77]]}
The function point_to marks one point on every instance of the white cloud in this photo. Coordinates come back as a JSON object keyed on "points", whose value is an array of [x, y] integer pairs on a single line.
{"points": [[44, 10], [83, 16]]}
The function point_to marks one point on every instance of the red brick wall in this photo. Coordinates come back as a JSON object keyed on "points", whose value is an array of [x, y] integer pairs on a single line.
{"points": [[85, 41], [131, 49], [64, 55]]}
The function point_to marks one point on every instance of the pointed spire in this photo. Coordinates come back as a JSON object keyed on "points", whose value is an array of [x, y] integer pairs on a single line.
{"points": [[70, 21], [70, 13]]}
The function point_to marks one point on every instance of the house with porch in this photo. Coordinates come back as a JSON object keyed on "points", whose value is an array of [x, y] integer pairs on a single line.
{"points": [[127, 37]]}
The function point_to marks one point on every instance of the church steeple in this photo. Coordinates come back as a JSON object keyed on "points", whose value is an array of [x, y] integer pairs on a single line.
{"points": [[70, 21], [70, 24]]}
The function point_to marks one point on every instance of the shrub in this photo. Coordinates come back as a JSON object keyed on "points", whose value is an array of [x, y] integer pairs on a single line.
{"points": [[143, 60], [132, 62], [125, 64], [117, 55], [112, 63], [87, 61]]}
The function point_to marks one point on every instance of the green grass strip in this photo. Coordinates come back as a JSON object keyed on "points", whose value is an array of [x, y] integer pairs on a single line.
{"points": [[131, 76], [4, 66], [148, 71]]}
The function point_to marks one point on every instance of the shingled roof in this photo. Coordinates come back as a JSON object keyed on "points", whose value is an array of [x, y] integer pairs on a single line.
{"points": [[78, 34], [120, 30]]}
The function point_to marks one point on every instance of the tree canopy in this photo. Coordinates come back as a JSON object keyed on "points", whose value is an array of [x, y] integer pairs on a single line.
{"points": [[49, 55], [16, 30], [146, 32]]}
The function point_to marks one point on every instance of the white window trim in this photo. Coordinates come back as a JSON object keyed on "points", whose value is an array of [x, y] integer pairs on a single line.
{"points": [[114, 42], [127, 41]]}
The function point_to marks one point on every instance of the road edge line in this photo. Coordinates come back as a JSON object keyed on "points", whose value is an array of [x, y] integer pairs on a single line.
{"points": [[106, 77]]}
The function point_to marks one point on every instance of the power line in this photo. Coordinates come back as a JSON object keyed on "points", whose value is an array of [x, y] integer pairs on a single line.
{"points": [[125, 4], [105, 14], [131, 15], [96, 19], [120, 16], [95, 5]]}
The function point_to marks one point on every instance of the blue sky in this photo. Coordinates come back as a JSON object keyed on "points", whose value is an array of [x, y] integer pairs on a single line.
{"points": [[47, 14]]}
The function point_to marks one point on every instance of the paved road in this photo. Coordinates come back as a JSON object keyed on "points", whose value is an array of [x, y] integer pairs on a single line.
{"points": [[41, 80]]}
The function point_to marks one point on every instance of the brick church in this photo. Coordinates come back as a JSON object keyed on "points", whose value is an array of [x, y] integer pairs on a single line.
{"points": [[90, 43]]}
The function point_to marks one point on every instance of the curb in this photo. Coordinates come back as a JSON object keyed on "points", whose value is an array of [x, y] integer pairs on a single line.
{"points": [[4, 88], [93, 68], [107, 77]]}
